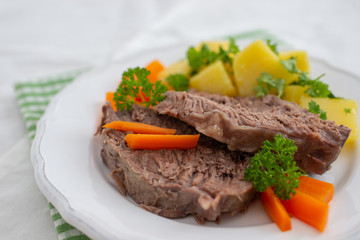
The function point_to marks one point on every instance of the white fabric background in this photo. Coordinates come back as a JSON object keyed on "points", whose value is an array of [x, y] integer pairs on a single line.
{"points": [[39, 37]]}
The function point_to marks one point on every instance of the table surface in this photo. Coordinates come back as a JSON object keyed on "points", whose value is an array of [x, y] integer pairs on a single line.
{"points": [[41, 38]]}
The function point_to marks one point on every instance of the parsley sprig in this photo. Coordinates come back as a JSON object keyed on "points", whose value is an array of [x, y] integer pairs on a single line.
{"points": [[266, 83], [135, 87], [272, 46], [178, 81], [347, 110], [315, 108], [203, 57], [274, 166], [290, 65], [316, 88]]}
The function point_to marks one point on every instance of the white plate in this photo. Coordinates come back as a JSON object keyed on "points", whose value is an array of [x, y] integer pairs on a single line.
{"points": [[71, 174]]}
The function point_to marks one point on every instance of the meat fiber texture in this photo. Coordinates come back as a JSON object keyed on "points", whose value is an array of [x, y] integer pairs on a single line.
{"points": [[204, 182], [245, 123]]}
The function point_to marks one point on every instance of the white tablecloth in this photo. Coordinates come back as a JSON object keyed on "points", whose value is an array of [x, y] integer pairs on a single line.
{"points": [[39, 37]]}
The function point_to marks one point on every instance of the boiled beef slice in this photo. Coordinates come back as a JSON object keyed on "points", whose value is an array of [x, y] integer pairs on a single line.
{"points": [[245, 123], [205, 182]]}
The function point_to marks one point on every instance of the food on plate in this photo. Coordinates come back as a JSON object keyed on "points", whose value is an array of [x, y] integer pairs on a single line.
{"points": [[214, 45], [181, 67], [342, 111], [154, 68], [161, 141], [110, 98], [273, 166], [245, 123], [302, 59], [276, 210], [213, 79], [205, 181], [136, 127], [321, 190], [135, 87], [308, 209], [177, 82], [225, 136], [253, 60], [293, 93]]}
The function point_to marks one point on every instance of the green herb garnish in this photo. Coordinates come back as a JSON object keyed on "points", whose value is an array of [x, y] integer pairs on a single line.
{"points": [[178, 81], [316, 87], [266, 82], [135, 87], [290, 65], [315, 108], [205, 56], [272, 46], [274, 166], [197, 59], [347, 110]]}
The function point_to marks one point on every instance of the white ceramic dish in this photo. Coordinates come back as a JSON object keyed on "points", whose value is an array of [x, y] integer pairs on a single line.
{"points": [[71, 174]]}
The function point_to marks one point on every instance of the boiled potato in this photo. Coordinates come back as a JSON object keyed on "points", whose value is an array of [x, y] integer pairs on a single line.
{"points": [[255, 59], [214, 45], [335, 111], [293, 93], [213, 79], [181, 67], [302, 59]]}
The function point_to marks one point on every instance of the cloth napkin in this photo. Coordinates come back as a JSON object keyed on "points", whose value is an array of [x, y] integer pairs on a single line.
{"points": [[34, 96]]}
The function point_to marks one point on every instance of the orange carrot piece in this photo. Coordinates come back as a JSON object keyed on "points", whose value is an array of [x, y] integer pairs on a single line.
{"points": [[308, 209], [155, 67], [110, 98], [156, 142], [318, 189], [275, 209], [136, 127]]}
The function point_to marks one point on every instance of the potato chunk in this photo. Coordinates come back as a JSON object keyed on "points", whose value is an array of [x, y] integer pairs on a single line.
{"points": [[342, 111], [293, 93], [253, 60], [213, 79]]}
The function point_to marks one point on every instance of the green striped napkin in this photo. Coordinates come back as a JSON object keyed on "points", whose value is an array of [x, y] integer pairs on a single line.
{"points": [[34, 96]]}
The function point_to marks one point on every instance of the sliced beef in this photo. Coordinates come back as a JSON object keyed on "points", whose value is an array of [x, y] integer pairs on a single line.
{"points": [[204, 182], [244, 123]]}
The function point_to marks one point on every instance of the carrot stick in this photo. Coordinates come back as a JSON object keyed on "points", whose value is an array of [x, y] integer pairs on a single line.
{"points": [[156, 142], [308, 209], [155, 67], [110, 98], [318, 189], [136, 127], [275, 209]]}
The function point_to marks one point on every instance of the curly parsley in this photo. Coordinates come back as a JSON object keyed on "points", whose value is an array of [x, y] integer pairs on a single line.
{"points": [[266, 82], [274, 166], [135, 87]]}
